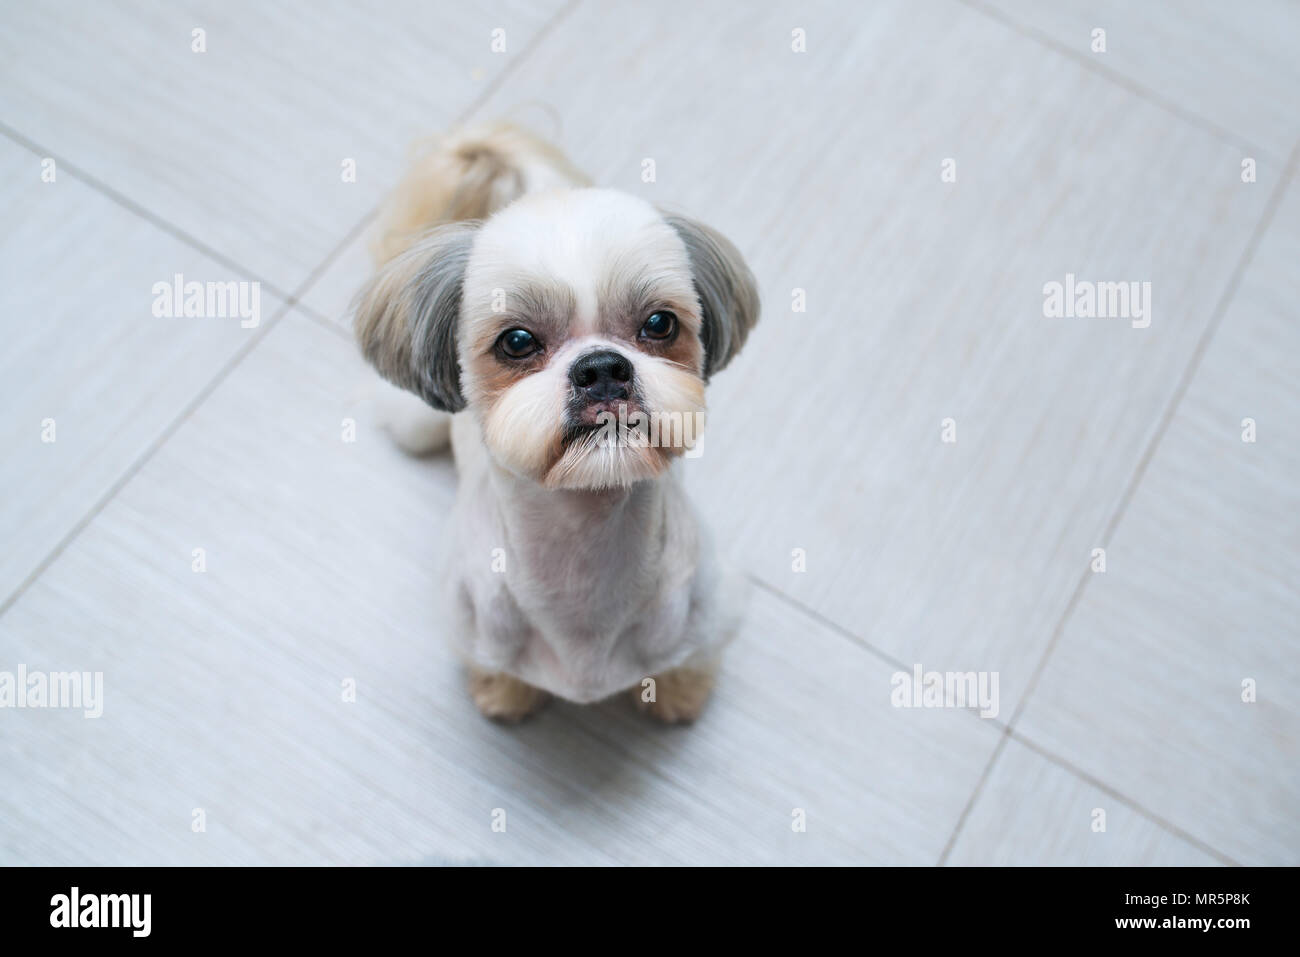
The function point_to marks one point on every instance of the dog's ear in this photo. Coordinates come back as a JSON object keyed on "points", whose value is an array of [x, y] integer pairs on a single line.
{"points": [[726, 287], [405, 318]]}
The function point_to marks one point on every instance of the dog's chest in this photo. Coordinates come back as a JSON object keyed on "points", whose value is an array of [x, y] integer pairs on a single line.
{"points": [[582, 636], [585, 595]]}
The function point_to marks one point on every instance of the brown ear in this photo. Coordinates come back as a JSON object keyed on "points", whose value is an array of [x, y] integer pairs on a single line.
{"points": [[405, 318], [726, 287]]}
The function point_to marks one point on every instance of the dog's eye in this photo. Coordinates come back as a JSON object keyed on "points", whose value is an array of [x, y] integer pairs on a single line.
{"points": [[518, 343], [661, 325]]}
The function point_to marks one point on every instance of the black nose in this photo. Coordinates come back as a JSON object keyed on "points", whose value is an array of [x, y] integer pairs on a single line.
{"points": [[601, 375]]}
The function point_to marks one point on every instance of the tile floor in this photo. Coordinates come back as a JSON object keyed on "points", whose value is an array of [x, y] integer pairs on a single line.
{"points": [[1121, 693]]}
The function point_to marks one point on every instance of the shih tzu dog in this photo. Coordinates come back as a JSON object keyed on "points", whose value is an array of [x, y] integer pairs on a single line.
{"points": [[561, 336]]}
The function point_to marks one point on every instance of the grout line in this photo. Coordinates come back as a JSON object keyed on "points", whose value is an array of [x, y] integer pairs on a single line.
{"points": [[1053, 758], [289, 301], [826, 622], [475, 104], [499, 80], [324, 322], [289, 304], [1115, 76], [1162, 427], [331, 257], [810, 612], [849, 636], [972, 799], [292, 301], [1167, 417], [195, 401], [1109, 791], [1006, 734], [130, 205]]}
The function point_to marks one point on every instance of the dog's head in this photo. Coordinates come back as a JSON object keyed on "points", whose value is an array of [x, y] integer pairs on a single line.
{"points": [[579, 325]]}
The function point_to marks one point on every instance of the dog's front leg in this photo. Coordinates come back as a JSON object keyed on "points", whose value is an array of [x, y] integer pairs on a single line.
{"points": [[502, 697], [679, 695]]}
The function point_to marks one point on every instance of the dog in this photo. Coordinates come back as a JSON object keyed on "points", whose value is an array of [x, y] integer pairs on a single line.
{"points": [[546, 327]]}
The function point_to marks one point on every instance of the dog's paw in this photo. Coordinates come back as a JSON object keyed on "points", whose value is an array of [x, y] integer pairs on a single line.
{"points": [[677, 696], [503, 698], [416, 428]]}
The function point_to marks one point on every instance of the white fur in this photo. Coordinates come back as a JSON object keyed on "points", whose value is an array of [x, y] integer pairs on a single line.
{"points": [[600, 589], [414, 426], [601, 575], [577, 238], [615, 580]]}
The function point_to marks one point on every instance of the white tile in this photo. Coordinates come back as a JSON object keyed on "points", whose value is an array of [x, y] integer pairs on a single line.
{"points": [[1199, 594], [84, 349], [924, 301], [924, 298], [1233, 65], [242, 146], [803, 719], [223, 688], [330, 296], [1034, 813]]}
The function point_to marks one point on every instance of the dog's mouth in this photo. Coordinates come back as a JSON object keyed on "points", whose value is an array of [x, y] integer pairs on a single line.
{"points": [[612, 416], [608, 448]]}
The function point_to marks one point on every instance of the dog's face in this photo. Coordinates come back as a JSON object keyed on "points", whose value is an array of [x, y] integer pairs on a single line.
{"points": [[580, 326]]}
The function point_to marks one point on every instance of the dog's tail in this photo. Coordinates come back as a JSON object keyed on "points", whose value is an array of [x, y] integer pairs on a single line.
{"points": [[461, 175], [468, 174]]}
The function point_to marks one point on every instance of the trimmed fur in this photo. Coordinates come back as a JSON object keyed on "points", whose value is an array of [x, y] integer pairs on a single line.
{"points": [[579, 566]]}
